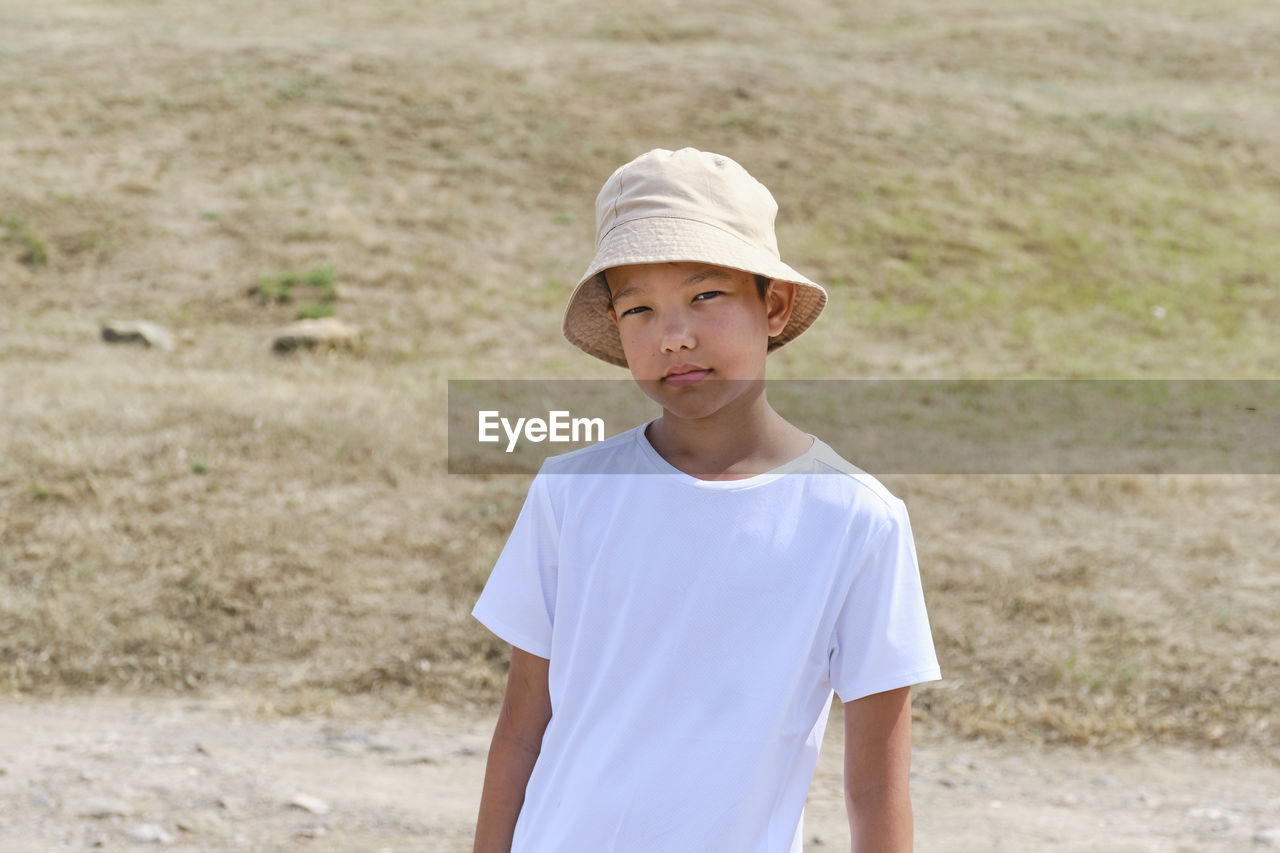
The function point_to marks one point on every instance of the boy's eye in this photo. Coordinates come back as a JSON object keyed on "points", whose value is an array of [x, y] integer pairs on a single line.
{"points": [[634, 310], [708, 294]]}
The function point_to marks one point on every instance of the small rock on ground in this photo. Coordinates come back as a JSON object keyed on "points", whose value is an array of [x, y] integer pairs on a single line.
{"points": [[137, 332], [327, 333], [149, 833], [101, 809], [308, 803]]}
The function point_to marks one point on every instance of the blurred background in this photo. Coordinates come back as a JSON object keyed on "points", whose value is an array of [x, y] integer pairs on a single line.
{"points": [[1001, 189]]}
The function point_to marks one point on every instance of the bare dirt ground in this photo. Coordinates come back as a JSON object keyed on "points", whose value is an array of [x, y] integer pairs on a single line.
{"points": [[207, 775]]}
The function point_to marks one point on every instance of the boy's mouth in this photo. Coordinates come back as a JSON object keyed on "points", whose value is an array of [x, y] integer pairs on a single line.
{"points": [[686, 374]]}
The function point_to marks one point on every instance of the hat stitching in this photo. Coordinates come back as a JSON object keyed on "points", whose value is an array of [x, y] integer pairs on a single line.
{"points": [[737, 237], [616, 197]]}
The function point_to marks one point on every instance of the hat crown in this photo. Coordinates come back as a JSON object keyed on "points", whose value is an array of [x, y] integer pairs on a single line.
{"points": [[689, 184]]}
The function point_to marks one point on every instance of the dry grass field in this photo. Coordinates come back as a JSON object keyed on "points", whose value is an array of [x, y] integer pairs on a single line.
{"points": [[996, 189]]}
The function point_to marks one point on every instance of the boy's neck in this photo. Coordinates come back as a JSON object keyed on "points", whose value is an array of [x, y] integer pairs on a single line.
{"points": [[732, 444]]}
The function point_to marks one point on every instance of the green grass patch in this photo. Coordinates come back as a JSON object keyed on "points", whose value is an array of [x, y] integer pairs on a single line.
{"points": [[16, 233], [315, 310], [318, 284]]}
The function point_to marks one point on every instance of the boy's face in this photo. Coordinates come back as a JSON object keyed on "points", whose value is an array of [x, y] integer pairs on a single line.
{"points": [[686, 325]]}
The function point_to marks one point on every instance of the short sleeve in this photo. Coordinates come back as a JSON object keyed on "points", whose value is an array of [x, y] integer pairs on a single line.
{"points": [[518, 601], [881, 639]]}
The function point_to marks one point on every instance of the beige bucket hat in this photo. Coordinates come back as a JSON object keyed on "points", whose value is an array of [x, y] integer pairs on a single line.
{"points": [[685, 205]]}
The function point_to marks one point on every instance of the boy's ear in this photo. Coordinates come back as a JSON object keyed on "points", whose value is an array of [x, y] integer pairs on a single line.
{"points": [[779, 300], [613, 315]]}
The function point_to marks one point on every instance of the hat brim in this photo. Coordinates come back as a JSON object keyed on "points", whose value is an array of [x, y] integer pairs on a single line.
{"points": [[663, 239]]}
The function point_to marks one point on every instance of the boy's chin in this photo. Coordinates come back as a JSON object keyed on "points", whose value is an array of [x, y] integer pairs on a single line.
{"points": [[695, 401]]}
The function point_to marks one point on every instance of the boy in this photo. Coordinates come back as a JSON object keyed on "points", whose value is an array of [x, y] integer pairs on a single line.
{"points": [[684, 598]]}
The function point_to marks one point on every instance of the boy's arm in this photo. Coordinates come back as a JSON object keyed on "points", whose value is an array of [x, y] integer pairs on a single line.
{"points": [[517, 740], [877, 768]]}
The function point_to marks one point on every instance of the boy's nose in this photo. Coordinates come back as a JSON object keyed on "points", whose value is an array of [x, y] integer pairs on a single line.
{"points": [[676, 335]]}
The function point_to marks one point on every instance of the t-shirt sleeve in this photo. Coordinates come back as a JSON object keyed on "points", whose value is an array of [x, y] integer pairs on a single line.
{"points": [[518, 601], [881, 639]]}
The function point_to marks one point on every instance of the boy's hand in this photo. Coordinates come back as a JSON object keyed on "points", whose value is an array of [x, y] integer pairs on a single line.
{"points": [[517, 740], [877, 769]]}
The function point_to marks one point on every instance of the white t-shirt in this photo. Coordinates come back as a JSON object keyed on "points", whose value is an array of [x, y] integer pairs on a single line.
{"points": [[695, 631]]}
